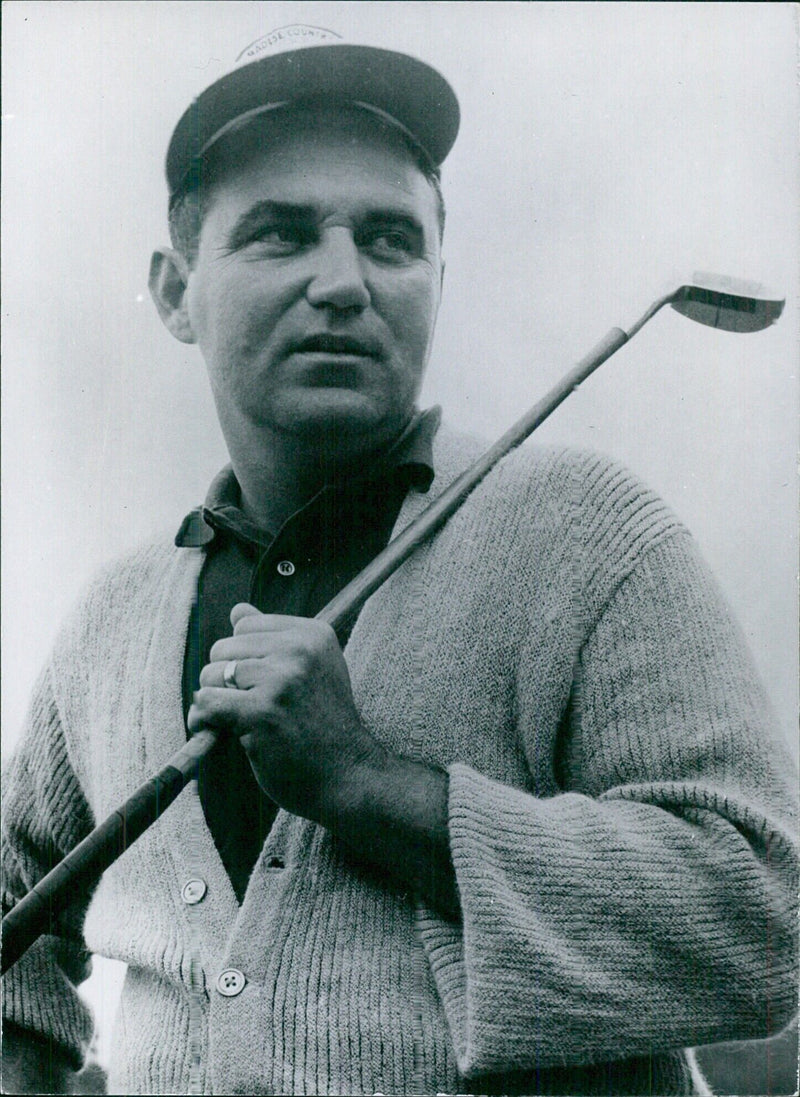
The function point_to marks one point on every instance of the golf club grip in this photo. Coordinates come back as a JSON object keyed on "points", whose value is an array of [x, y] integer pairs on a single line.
{"points": [[85, 864]]}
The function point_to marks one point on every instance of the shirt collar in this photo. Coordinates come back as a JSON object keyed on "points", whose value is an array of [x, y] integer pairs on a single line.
{"points": [[410, 458]]}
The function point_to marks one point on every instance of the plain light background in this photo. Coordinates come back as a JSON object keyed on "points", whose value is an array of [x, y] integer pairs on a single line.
{"points": [[606, 152]]}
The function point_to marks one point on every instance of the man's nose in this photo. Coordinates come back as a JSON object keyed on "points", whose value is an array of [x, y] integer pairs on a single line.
{"points": [[337, 281]]}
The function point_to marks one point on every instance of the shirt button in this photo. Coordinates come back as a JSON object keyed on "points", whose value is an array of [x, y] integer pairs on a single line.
{"points": [[286, 567], [193, 891], [230, 982]]}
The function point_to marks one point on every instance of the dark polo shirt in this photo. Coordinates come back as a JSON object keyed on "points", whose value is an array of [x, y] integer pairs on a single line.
{"points": [[294, 570]]}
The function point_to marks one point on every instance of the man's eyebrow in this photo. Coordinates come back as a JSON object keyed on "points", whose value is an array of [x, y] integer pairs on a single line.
{"points": [[392, 216], [281, 212]]}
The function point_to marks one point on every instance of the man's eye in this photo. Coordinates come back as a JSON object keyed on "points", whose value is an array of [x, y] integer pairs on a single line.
{"points": [[391, 244], [282, 239]]}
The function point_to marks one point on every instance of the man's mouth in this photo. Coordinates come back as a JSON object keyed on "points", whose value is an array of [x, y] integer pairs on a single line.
{"points": [[328, 344], [334, 361]]}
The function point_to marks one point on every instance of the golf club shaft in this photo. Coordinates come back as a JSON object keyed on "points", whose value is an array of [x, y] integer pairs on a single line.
{"points": [[38, 911]]}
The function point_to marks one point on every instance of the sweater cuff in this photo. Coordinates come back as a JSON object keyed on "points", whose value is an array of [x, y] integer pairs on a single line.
{"points": [[38, 997], [481, 1037]]}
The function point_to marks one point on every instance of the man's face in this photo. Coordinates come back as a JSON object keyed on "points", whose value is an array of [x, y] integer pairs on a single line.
{"points": [[317, 281]]}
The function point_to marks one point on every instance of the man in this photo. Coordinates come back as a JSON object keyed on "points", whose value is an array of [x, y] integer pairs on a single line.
{"points": [[531, 832]]}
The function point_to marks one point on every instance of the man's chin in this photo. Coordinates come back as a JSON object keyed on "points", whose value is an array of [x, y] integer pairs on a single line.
{"points": [[340, 419]]}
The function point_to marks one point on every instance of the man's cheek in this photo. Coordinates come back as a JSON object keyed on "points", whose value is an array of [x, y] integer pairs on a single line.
{"points": [[242, 333], [412, 322]]}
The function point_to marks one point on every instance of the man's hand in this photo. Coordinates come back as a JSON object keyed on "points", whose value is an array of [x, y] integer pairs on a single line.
{"points": [[294, 713], [292, 708]]}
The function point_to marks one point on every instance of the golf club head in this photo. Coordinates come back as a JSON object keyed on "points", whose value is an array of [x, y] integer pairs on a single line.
{"points": [[727, 303]]}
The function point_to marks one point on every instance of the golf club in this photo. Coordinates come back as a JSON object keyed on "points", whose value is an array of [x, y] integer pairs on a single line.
{"points": [[712, 300]]}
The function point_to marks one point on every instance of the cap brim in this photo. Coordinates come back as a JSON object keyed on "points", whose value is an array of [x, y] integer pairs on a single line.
{"points": [[407, 90]]}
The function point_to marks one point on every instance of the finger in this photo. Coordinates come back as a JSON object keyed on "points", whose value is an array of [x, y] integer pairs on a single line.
{"points": [[250, 645], [267, 622], [212, 675], [242, 609], [249, 673], [214, 708], [202, 714], [230, 709]]}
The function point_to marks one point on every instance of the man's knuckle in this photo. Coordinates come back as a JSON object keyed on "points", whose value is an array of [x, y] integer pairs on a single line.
{"points": [[303, 662], [283, 674], [317, 641], [203, 698]]}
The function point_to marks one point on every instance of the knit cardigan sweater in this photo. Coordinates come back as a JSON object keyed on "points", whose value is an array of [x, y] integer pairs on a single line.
{"points": [[621, 822]]}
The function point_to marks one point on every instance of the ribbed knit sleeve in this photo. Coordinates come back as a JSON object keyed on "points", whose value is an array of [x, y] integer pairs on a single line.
{"points": [[651, 903], [45, 815]]}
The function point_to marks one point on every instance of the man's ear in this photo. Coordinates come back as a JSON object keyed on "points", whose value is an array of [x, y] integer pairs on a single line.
{"points": [[169, 276]]}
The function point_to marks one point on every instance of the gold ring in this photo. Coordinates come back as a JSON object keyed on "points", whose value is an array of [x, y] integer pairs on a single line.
{"points": [[229, 675]]}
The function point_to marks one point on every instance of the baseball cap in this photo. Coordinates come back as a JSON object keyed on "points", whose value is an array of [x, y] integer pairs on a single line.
{"points": [[299, 63]]}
